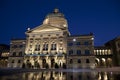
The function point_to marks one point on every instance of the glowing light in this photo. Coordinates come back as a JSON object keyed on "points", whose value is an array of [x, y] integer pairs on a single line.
{"points": [[92, 38], [74, 40], [28, 29], [103, 59]]}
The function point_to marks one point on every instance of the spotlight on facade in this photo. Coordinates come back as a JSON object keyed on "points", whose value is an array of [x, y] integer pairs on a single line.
{"points": [[74, 40]]}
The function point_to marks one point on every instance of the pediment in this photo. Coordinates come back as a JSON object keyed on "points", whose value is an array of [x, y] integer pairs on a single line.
{"points": [[44, 28]]}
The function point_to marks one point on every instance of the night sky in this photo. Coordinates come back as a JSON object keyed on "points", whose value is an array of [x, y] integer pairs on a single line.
{"points": [[102, 17]]}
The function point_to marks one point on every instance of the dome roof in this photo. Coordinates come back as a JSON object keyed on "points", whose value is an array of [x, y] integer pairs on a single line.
{"points": [[55, 13], [56, 19]]}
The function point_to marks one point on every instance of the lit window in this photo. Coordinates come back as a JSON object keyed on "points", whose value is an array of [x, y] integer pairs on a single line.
{"points": [[109, 51]]}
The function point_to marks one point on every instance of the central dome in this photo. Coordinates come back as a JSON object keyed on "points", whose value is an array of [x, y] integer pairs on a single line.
{"points": [[56, 19]]}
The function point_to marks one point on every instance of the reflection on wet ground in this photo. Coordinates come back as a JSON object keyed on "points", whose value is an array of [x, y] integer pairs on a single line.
{"points": [[58, 75]]}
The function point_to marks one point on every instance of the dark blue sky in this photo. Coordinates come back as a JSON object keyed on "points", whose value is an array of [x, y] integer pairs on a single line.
{"points": [[102, 17]]}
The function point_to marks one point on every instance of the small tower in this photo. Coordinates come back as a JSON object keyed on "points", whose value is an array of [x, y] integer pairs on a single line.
{"points": [[56, 10]]}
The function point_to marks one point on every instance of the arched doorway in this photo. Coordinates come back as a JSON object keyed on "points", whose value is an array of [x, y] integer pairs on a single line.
{"points": [[97, 62], [103, 62], [52, 63], [64, 65], [44, 63], [23, 65], [109, 62], [28, 64]]}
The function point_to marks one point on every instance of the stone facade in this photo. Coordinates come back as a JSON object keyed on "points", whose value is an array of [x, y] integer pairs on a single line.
{"points": [[17, 50], [103, 56], [47, 46], [114, 44], [4, 54], [80, 50]]}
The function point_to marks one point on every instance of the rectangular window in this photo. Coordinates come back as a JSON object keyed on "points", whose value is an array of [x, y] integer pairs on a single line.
{"points": [[70, 44], [20, 53], [87, 52], [77, 43], [14, 53], [37, 47], [86, 43], [70, 52], [78, 52], [71, 61], [87, 61], [79, 61], [20, 46]]}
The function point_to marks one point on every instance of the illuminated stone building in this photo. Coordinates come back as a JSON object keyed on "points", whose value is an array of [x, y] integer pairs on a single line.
{"points": [[47, 46], [103, 56], [114, 44], [81, 51], [17, 50], [4, 54]]}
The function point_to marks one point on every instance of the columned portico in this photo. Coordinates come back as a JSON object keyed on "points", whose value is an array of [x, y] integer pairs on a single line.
{"points": [[46, 45]]}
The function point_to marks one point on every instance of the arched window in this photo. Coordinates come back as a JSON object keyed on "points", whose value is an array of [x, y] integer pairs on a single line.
{"points": [[20, 46], [45, 46], [14, 53], [37, 47], [53, 46]]}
